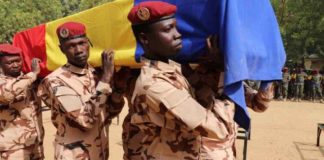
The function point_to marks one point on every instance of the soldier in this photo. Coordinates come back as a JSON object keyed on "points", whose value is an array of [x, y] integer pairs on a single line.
{"points": [[285, 82], [165, 111], [131, 134], [291, 86], [316, 86], [308, 90], [82, 106], [208, 82], [21, 127], [299, 84]]}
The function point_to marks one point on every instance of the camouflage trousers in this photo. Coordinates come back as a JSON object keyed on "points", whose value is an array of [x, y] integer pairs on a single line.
{"points": [[66, 153], [217, 150], [299, 91], [285, 90], [317, 91], [34, 152], [131, 137], [79, 151]]}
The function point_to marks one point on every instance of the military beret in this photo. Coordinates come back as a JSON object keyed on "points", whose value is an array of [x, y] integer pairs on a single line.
{"points": [[315, 71], [70, 30], [285, 69], [150, 12], [8, 49]]}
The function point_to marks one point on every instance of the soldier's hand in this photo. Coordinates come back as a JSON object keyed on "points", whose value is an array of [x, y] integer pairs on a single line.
{"points": [[107, 58], [35, 67], [266, 94], [205, 96], [121, 78]]}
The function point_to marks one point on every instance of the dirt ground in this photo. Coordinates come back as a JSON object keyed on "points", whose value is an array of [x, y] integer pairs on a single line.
{"points": [[286, 131]]}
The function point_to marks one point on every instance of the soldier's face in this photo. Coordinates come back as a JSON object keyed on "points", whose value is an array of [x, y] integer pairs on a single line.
{"points": [[11, 65], [76, 51], [163, 39]]}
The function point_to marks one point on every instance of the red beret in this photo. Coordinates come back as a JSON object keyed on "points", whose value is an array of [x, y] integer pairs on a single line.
{"points": [[315, 71], [70, 30], [9, 49], [150, 11]]}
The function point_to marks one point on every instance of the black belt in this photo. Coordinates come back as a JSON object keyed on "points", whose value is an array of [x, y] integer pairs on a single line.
{"points": [[4, 106], [78, 144]]}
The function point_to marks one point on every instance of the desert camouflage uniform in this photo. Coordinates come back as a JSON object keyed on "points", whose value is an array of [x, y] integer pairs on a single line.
{"points": [[299, 85], [81, 112], [21, 129], [131, 135], [168, 116], [316, 86], [284, 84], [223, 147]]}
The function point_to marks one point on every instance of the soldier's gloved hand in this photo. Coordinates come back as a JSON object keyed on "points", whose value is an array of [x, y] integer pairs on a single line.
{"points": [[107, 58], [35, 67]]}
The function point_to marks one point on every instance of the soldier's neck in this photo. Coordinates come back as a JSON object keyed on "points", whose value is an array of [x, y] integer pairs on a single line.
{"points": [[155, 57]]}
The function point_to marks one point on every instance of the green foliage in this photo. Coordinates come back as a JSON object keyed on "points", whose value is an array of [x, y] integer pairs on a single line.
{"points": [[301, 25], [18, 15]]}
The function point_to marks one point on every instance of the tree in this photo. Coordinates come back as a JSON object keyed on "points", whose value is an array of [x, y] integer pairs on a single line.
{"points": [[17, 15], [301, 25]]}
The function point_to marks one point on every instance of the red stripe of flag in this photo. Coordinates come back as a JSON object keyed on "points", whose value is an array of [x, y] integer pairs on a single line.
{"points": [[32, 43]]}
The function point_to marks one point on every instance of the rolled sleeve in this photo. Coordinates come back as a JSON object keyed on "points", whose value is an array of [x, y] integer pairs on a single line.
{"points": [[178, 102], [83, 111], [12, 88]]}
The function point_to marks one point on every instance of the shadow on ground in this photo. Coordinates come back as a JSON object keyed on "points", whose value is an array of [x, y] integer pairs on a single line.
{"points": [[309, 151]]}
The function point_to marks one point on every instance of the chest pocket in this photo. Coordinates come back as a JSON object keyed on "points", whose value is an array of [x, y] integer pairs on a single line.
{"points": [[68, 98], [173, 79]]}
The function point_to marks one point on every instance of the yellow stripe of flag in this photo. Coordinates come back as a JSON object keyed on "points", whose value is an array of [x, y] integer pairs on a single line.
{"points": [[107, 27]]}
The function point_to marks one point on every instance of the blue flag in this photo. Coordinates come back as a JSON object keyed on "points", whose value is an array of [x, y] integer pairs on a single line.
{"points": [[249, 39]]}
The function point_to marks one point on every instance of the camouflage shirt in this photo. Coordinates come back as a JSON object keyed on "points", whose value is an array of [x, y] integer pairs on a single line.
{"points": [[81, 112], [224, 109], [300, 78], [20, 116], [131, 134], [317, 79], [286, 78], [222, 147], [165, 111]]}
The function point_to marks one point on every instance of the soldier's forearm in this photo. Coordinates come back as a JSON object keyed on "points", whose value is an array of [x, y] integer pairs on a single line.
{"points": [[86, 116], [24, 82], [15, 87], [115, 103]]}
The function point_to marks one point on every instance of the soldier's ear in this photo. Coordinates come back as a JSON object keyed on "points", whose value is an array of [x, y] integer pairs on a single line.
{"points": [[143, 39], [61, 48]]}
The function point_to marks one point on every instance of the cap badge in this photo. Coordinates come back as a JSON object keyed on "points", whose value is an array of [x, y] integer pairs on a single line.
{"points": [[64, 33], [143, 13]]}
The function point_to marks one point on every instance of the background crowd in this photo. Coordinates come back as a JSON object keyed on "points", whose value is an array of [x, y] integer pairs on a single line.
{"points": [[300, 84]]}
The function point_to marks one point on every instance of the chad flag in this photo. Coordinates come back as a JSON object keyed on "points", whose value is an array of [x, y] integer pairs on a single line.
{"points": [[248, 32], [107, 27]]}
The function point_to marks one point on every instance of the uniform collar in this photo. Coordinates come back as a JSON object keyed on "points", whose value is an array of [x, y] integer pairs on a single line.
{"points": [[171, 66], [78, 70], [5, 76]]}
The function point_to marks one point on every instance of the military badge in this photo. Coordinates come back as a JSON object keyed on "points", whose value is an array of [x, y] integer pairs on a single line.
{"points": [[64, 33], [143, 13]]}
